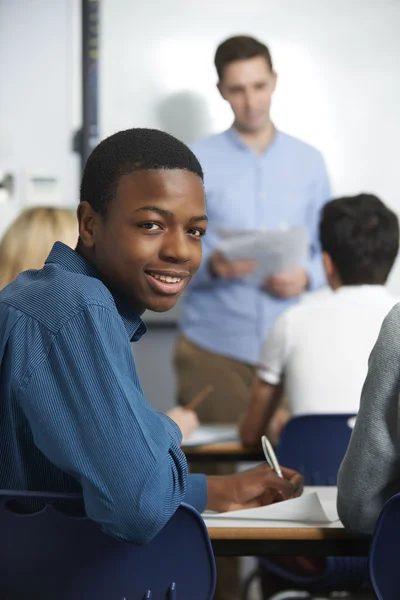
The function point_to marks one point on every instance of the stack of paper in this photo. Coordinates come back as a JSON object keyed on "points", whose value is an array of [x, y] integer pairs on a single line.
{"points": [[212, 434], [307, 509], [274, 251]]}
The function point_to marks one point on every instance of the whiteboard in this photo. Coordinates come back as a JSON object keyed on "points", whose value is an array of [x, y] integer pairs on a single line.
{"points": [[338, 84], [39, 101]]}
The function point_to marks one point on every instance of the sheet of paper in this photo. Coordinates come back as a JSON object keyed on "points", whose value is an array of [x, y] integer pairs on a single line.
{"points": [[306, 509], [212, 434], [274, 251]]}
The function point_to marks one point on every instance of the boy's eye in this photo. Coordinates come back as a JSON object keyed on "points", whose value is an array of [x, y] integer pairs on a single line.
{"points": [[197, 232], [150, 226]]}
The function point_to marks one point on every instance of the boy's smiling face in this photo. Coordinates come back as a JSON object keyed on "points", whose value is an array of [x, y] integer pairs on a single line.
{"points": [[148, 246]]}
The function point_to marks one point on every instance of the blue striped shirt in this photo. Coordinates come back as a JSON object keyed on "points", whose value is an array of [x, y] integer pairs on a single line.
{"points": [[73, 415]]}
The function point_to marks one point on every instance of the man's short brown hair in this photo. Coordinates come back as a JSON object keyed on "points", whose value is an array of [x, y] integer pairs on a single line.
{"points": [[239, 47]]}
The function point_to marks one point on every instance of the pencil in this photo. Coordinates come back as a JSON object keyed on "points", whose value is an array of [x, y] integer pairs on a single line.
{"points": [[198, 399]]}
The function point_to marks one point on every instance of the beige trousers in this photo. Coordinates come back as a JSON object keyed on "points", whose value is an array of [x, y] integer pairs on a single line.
{"points": [[232, 380]]}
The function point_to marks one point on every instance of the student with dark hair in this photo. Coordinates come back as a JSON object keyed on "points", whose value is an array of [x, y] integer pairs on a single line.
{"points": [[317, 352], [73, 416]]}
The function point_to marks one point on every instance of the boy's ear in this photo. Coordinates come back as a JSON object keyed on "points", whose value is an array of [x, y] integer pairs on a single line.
{"points": [[87, 219], [329, 267]]}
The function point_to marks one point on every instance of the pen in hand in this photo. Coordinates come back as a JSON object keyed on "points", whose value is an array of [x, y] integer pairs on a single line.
{"points": [[270, 456]]}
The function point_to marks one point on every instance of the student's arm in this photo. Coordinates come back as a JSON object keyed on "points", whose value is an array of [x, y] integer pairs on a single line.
{"points": [[321, 193], [267, 388], [370, 472], [88, 415], [186, 419], [263, 403]]}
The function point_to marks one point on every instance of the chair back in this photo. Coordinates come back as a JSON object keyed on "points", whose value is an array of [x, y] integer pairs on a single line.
{"points": [[383, 561], [315, 446], [48, 555]]}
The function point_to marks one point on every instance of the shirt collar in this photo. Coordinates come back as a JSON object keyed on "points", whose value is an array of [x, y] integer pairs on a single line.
{"points": [[235, 138], [372, 291], [68, 259], [362, 288]]}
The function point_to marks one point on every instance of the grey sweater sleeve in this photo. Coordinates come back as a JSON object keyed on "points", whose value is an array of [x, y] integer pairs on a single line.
{"points": [[370, 472]]}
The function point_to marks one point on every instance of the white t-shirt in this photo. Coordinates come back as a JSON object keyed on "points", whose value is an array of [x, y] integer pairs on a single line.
{"points": [[320, 349]]}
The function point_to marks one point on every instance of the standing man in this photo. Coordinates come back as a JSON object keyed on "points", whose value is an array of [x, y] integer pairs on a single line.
{"points": [[255, 177]]}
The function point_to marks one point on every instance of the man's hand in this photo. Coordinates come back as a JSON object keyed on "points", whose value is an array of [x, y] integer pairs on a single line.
{"points": [[186, 420], [221, 267], [289, 284], [256, 487]]}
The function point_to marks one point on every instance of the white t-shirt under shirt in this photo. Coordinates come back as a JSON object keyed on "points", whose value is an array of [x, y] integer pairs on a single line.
{"points": [[320, 348]]}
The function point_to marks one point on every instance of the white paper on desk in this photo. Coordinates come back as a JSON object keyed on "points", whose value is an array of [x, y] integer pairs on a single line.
{"points": [[212, 435], [274, 251], [306, 509]]}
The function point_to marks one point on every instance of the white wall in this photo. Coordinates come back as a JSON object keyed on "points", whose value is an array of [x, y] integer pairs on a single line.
{"points": [[39, 95], [338, 81], [338, 77]]}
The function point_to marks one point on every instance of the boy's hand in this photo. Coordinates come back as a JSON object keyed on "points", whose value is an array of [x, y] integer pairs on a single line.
{"points": [[256, 487], [186, 420]]}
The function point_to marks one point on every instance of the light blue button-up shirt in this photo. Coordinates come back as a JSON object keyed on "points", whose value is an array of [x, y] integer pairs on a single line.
{"points": [[286, 185]]}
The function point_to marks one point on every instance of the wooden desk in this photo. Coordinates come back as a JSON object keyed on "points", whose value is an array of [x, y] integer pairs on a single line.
{"points": [[230, 450], [240, 538], [223, 452], [293, 541]]}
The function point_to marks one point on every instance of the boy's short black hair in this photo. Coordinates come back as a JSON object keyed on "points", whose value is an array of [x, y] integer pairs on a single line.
{"points": [[361, 235], [126, 152]]}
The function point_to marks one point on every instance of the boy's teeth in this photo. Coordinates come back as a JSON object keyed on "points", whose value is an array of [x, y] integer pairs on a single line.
{"points": [[166, 278]]}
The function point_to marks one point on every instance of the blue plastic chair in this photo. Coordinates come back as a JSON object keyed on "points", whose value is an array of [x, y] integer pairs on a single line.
{"points": [[315, 446], [383, 559], [48, 555]]}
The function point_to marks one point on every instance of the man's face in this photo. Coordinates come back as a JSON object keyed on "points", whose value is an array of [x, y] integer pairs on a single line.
{"points": [[148, 246], [248, 86]]}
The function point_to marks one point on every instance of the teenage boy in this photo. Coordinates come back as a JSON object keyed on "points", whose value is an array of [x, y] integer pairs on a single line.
{"points": [[73, 416], [318, 351]]}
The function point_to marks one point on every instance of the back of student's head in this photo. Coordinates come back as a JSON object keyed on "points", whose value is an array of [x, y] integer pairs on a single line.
{"points": [[361, 235], [28, 241], [126, 152]]}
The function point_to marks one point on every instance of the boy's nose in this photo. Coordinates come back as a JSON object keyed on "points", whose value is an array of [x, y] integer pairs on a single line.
{"points": [[176, 248]]}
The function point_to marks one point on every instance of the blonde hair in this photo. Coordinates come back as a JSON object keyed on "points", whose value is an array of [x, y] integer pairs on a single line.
{"points": [[28, 241]]}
